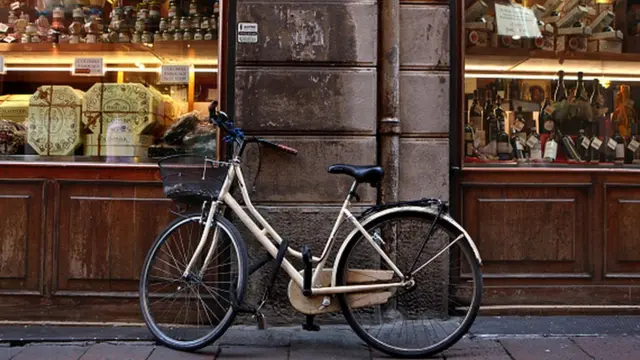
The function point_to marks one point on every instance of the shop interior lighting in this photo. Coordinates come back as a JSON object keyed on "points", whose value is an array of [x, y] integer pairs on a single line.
{"points": [[602, 79], [139, 68]]}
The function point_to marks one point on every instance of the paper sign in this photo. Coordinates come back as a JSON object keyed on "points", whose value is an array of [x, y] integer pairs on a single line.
{"points": [[88, 66], [248, 39], [517, 20], [248, 27], [174, 74], [4, 27], [2, 70], [15, 5]]}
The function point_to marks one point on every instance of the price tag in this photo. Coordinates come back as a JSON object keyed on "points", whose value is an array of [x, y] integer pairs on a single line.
{"points": [[533, 141], [88, 67], [9, 39], [585, 142], [612, 144], [4, 27], [15, 5], [596, 143], [517, 21], [174, 74], [518, 125], [633, 145]]}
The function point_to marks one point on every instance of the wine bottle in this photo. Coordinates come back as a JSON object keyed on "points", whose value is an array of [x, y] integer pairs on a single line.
{"points": [[488, 115], [595, 150], [569, 145], [581, 90], [630, 150], [534, 146], [519, 122], [551, 148], [597, 107], [475, 113], [546, 123], [616, 145], [500, 88], [634, 145], [583, 143], [468, 141], [561, 89], [504, 152], [519, 151]]}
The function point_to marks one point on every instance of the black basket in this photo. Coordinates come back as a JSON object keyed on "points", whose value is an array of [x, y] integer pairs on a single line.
{"points": [[192, 179]]}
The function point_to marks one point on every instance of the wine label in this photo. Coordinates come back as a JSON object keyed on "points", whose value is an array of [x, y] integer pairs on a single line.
{"points": [[549, 110], [612, 144], [519, 145], [533, 141], [585, 142], [633, 145], [518, 125], [4, 27], [469, 149], [620, 151], [9, 39], [596, 143], [551, 150], [503, 147], [548, 125], [536, 154]]}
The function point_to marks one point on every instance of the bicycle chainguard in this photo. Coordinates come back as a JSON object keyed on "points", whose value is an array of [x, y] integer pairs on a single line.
{"points": [[307, 260]]}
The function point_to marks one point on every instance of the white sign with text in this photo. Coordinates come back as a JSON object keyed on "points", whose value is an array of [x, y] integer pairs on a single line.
{"points": [[174, 74], [88, 66], [517, 20]]}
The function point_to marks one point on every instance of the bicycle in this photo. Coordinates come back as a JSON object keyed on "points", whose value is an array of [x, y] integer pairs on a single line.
{"points": [[363, 281]]}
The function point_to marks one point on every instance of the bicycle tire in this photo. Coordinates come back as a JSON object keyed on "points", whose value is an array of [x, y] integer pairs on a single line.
{"points": [[238, 243], [386, 348]]}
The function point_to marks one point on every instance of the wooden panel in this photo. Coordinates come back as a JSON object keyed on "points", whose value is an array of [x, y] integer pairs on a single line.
{"points": [[105, 231], [622, 233], [526, 230], [21, 239]]}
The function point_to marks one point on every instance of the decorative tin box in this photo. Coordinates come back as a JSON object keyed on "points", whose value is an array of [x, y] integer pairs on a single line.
{"points": [[14, 107], [133, 104], [54, 120]]}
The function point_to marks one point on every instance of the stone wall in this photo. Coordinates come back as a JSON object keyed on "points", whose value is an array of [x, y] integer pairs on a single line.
{"points": [[311, 82]]}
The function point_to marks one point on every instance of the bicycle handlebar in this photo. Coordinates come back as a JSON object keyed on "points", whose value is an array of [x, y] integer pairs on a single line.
{"points": [[237, 133]]}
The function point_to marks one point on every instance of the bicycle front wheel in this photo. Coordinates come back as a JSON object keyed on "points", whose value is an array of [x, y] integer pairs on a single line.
{"points": [[190, 313], [428, 316]]}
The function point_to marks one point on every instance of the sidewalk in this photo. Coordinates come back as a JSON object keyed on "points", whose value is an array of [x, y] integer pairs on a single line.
{"points": [[520, 338]]}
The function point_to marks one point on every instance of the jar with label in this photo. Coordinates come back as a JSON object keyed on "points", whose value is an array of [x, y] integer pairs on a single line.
{"points": [[124, 37], [24, 38], [198, 35], [173, 9], [137, 37], [184, 23], [186, 35], [205, 24], [140, 25], [208, 35], [193, 7], [31, 29], [174, 24], [163, 25], [92, 38], [74, 39], [147, 38], [157, 37], [177, 35], [166, 35], [34, 38], [195, 23], [58, 12]]}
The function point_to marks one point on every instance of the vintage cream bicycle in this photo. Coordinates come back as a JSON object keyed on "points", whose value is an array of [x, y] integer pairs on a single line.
{"points": [[407, 277]]}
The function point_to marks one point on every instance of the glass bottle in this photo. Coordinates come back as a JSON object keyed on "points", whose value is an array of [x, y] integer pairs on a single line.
{"points": [[561, 90], [487, 114], [581, 90], [583, 143], [534, 146], [504, 152], [619, 147], [500, 88], [177, 35], [185, 23], [519, 122], [173, 9], [163, 25], [208, 35], [468, 140], [569, 145], [545, 122], [198, 35], [193, 7], [634, 145], [147, 38], [157, 37], [595, 150], [166, 36], [630, 150], [519, 150], [551, 148], [475, 112], [186, 35], [205, 24], [624, 114]]}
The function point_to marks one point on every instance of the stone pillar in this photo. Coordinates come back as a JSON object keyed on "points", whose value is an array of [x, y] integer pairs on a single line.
{"points": [[311, 83]]}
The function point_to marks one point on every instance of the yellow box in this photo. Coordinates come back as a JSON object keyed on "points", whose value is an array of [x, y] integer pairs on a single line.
{"points": [[14, 107]]}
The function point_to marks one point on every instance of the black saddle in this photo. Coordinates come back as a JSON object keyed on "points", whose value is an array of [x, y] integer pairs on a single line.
{"points": [[371, 174]]}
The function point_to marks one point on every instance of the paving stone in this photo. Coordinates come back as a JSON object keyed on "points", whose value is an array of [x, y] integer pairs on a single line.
{"points": [[7, 353], [476, 349], [250, 352], [547, 349], [51, 352], [619, 348], [335, 343], [117, 352], [248, 336], [163, 353]]}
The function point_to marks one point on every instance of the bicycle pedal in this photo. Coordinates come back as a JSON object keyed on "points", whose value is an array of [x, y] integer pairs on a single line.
{"points": [[262, 321]]}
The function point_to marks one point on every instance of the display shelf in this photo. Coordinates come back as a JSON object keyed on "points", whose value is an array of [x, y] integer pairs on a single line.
{"points": [[22, 57], [524, 62]]}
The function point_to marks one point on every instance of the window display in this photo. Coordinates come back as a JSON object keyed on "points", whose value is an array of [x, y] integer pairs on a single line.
{"points": [[127, 79], [566, 97]]}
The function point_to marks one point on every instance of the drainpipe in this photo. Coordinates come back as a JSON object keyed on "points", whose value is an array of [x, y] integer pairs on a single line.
{"points": [[389, 99]]}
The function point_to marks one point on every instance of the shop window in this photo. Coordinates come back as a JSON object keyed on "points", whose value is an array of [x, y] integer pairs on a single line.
{"points": [[566, 98], [124, 80]]}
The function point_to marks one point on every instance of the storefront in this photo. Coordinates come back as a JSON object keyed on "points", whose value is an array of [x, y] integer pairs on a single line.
{"points": [[549, 154], [91, 95]]}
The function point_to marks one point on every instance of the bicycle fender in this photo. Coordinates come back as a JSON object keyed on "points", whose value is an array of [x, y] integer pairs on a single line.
{"points": [[444, 217]]}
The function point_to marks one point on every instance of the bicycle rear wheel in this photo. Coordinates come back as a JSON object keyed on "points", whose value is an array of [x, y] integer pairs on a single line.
{"points": [[188, 314], [438, 309]]}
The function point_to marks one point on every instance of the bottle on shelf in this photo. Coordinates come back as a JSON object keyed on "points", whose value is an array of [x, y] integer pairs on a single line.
{"points": [[468, 141], [504, 151], [581, 90], [598, 108], [569, 146], [475, 113], [546, 123], [519, 149], [583, 141], [491, 124], [595, 150], [634, 145], [561, 90], [624, 114], [551, 148], [534, 145], [615, 147]]}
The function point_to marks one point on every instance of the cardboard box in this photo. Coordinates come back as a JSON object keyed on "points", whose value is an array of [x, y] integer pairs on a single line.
{"points": [[14, 107], [54, 126]]}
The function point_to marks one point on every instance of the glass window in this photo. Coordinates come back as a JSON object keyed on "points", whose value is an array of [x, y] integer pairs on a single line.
{"points": [[567, 98], [123, 80]]}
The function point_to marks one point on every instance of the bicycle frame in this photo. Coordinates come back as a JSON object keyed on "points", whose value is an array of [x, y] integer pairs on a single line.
{"points": [[261, 234]]}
